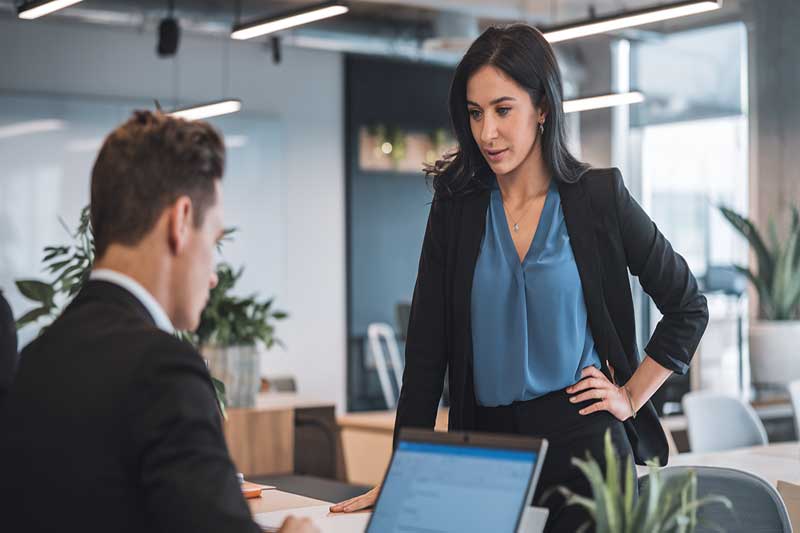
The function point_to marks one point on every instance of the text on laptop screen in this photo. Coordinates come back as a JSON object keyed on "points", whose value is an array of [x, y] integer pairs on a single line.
{"points": [[443, 488]]}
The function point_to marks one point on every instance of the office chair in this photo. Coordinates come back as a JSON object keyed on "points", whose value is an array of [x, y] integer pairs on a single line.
{"points": [[380, 334], [757, 506], [721, 422]]}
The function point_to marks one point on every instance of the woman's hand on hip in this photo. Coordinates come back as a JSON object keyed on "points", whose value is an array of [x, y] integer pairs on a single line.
{"points": [[596, 386], [359, 502]]}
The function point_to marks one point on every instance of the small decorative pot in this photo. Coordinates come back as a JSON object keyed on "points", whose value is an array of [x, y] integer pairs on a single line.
{"points": [[239, 367]]}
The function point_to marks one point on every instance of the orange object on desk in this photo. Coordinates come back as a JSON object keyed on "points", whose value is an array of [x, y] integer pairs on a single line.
{"points": [[253, 490]]}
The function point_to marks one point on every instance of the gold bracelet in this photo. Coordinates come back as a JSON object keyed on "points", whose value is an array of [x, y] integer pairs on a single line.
{"points": [[630, 401]]}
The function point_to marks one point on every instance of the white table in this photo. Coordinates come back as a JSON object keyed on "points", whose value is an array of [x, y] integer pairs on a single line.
{"points": [[773, 462]]}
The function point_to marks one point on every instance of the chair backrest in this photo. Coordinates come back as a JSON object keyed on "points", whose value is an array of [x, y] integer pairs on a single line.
{"points": [[757, 505], [381, 334], [794, 392], [721, 422]]}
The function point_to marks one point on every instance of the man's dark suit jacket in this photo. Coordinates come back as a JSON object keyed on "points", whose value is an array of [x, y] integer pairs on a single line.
{"points": [[610, 234], [8, 347], [112, 425]]}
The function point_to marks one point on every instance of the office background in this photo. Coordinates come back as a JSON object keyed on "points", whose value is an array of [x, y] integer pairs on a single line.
{"points": [[337, 241]]}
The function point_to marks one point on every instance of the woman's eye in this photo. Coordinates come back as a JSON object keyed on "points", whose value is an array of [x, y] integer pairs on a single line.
{"points": [[503, 111], [475, 114]]}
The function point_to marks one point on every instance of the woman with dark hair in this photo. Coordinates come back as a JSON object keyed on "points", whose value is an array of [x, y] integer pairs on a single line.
{"points": [[523, 290]]}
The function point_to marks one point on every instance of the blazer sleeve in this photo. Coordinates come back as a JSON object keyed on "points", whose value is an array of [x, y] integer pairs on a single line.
{"points": [[187, 478], [665, 276], [426, 353]]}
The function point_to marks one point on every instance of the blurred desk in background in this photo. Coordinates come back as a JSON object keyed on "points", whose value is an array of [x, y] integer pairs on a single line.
{"points": [[772, 462], [367, 443], [262, 439]]}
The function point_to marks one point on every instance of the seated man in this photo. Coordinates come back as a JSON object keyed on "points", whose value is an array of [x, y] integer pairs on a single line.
{"points": [[112, 423]]}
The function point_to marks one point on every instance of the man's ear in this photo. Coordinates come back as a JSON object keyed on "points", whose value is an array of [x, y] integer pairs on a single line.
{"points": [[179, 222]]}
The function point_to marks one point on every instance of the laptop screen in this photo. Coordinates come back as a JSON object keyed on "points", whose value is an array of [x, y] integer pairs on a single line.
{"points": [[449, 487]]}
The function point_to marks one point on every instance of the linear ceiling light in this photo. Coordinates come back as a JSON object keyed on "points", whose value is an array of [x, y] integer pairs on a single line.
{"points": [[629, 19], [30, 127], [288, 20], [34, 10], [600, 102], [212, 109]]}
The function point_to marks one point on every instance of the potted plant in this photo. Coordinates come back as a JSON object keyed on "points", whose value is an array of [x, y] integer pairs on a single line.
{"points": [[774, 337], [233, 332], [662, 507]]}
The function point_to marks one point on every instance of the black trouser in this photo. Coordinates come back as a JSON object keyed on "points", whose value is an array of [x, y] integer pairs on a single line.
{"points": [[569, 434]]}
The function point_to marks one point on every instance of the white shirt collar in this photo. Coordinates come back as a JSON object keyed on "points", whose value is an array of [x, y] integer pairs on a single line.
{"points": [[134, 287]]}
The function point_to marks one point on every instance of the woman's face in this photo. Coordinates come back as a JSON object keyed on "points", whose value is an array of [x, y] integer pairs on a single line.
{"points": [[503, 120]]}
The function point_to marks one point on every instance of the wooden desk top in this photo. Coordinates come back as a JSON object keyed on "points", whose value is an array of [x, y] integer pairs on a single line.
{"points": [[773, 462], [277, 500], [383, 421]]}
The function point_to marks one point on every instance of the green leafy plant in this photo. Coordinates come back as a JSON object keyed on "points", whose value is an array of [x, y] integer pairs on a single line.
{"points": [[229, 320], [70, 264], [777, 279], [662, 507]]}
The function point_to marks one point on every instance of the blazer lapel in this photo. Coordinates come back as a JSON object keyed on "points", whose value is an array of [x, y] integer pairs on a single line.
{"points": [[577, 215], [470, 224]]}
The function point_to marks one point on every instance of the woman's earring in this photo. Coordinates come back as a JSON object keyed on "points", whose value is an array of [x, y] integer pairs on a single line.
{"points": [[541, 128]]}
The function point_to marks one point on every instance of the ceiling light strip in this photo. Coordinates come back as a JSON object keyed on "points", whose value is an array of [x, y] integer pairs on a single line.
{"points": [[212, 109], [34, 10], [629, 19], [601, 102], [288, 20]]}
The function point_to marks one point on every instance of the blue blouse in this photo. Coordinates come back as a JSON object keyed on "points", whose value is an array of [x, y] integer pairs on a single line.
{"points": [[530, 333]]}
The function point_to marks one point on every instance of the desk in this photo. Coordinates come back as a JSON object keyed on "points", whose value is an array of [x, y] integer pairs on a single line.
{"points": [[261, 439], [771, 462], [774, 410], [277, 500], [367, 442]]}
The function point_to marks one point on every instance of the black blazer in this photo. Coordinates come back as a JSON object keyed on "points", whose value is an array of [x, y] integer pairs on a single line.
{"points": [[610, 234], [113, 425]]}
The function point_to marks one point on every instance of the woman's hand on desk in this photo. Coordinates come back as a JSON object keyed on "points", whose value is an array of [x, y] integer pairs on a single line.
{"points": [[596, 386], [298, 525], [359, 502]]}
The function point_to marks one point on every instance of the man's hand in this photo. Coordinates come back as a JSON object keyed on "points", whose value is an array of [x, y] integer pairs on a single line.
{"points": [[298, 525]]}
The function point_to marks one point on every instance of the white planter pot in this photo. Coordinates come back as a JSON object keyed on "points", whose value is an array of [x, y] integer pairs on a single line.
{"points": [[775, 352], [239, 367]]}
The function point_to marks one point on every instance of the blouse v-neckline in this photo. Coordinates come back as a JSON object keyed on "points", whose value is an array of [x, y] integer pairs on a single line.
{"points": [[539, 235]]}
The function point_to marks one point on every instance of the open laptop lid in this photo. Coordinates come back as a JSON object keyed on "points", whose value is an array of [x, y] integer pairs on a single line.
{"points": [[456, 481]]}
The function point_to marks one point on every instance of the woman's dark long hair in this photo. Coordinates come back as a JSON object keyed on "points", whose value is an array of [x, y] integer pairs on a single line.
{"points": [[522, 53]]}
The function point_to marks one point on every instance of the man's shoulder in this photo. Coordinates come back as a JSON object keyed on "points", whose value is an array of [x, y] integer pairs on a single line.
{"points": [[100, 330]]}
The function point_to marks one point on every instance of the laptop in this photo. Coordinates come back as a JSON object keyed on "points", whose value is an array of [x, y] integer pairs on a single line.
{"points": [[457, 482]]}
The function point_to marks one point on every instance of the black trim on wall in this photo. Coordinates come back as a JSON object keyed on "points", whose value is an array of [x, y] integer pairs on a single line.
{"points": [[410, 96]]}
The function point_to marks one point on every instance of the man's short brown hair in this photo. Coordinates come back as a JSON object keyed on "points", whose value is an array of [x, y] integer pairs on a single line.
{"points": [[144, 166]]}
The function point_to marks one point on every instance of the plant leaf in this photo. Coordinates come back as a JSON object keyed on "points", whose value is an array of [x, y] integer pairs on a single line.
{"points": [[32, 316], [36, 290], [766, 263], [219, 389]]}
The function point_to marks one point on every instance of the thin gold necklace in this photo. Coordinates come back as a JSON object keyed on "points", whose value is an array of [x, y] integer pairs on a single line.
{"points": [[508, 213], [516, 222]]}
